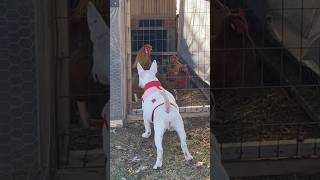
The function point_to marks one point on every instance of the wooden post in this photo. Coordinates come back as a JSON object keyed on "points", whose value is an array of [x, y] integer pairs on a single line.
{"points": [[127, 58], [63, 101], [44, 43], [128, 55], [180, 24]]}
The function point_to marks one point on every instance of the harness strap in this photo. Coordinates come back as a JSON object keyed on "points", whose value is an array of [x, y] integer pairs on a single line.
{"points": [[152, 84], [149, 85], [156, 108]]}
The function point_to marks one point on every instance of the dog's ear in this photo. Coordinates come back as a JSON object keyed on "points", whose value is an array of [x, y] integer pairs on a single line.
{"points": [[154, 67], [139, 68]]}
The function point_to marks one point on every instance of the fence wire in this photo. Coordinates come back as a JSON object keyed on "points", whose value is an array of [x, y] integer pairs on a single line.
{"points": [[266, 95], [79, 146], [161, 30]]}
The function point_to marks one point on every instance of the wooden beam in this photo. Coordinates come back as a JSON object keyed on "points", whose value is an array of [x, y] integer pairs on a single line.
{"points": [[256, 150], [153, 9], [93, 158], [133, 118], [116, 123], [44, 43], [63, 104], [183, 109], [272, 167], [80, 174], [128, 55]]}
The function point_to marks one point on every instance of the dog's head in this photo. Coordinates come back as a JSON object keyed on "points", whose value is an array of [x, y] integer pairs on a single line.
{"points": [[146, 76]]}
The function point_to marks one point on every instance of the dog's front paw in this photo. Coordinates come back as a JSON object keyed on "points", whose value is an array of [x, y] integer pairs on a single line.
{"points": [[146, 134], [188, 158], [156, 166]]}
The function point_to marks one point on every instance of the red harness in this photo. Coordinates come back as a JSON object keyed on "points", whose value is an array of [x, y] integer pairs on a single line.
{"points": [[151, 84], [156, 84]]}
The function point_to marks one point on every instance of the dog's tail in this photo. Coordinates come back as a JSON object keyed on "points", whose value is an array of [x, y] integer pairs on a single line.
{"points": [[166, 100]]}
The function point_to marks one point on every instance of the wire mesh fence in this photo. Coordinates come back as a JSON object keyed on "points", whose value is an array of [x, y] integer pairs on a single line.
{"points": [[266, 83], [79, 99], [162, 29]]}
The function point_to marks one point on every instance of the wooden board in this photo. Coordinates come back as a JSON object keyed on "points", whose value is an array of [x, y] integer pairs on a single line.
{"points": [[44, 51], [94, 158], [116, 123], [270, 149], [153, 9], [133, 118], [272, 167], [63, 81], [128, 81], [80, 174]]}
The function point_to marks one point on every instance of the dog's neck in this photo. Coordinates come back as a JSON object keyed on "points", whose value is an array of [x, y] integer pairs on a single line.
{"points": [[152, 84]]}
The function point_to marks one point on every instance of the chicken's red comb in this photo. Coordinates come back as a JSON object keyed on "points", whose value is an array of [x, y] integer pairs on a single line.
{"points": [[147, 46], [174, 56]]}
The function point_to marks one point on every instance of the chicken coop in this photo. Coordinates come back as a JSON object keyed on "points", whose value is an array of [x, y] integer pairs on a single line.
{"points": [[81, 84], [266, 86], [165, 31], [56, 55]]}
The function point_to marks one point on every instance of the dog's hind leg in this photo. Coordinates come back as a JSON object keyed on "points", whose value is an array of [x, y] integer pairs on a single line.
{"points": [[158, 136], [182, 135], [147, 127]]}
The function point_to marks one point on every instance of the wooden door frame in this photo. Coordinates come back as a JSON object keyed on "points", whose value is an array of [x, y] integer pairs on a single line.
{"points": [[45, 58]]}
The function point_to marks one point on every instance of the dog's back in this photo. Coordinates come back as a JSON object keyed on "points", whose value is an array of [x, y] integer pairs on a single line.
{"points": [[158, 101], [160, 107]]}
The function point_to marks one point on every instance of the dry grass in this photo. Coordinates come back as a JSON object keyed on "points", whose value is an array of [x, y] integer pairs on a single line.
{"points": [[127, 143], [243, 113]]}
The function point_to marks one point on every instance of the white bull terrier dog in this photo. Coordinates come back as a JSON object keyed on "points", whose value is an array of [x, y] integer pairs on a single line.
{"points": [[160, 108]]}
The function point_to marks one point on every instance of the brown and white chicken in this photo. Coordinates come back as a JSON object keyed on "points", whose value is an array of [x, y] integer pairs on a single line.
{"points": [[236, 67], [177, 73], [143, 57]]}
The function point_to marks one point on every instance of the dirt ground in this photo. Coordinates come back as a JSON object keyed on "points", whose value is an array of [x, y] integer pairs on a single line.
{"points": [[257, 115], [132, 157]]}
